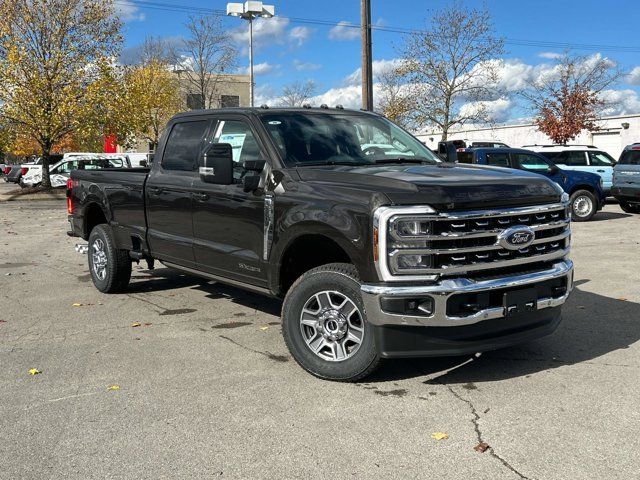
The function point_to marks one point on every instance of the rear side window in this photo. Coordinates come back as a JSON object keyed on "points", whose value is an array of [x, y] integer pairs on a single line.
{"points": [[630, 157], [530, 162], [572, 159], [183, 145], [465, 157], [498, 160]]}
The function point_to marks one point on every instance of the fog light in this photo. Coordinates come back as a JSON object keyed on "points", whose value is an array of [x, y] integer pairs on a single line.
{"points": [[415, 307]]}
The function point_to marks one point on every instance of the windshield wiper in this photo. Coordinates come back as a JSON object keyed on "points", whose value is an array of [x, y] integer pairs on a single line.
{"points": [[331, 162], [382, 161]]}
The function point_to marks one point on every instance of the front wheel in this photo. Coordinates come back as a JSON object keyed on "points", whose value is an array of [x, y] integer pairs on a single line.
{"points": [[583, 206], [627, 207], [110, 267], [324, 324]]}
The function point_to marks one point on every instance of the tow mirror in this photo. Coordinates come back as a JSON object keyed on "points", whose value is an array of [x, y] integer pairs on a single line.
{"points": [[216, 164], [450, 153], [251, 181], [143, 163]]}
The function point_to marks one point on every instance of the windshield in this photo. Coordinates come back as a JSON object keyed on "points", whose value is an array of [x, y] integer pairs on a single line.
{"points": [[329, 139]]}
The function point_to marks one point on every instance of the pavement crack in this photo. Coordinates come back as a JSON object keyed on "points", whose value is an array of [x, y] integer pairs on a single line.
{"points": [[476, 426], [269, 355]]}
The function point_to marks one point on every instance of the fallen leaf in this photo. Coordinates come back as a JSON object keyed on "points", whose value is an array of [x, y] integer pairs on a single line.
{"points": [[76, 304], [34, 371], [113, 387], [2, 321], [439, 436], [481, 447], [264, 328], [148, 324], [622, 298], [135, 324]]}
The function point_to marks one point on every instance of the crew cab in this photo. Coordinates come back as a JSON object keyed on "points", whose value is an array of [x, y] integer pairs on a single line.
{"points": [[585, 189], [378, 248]]}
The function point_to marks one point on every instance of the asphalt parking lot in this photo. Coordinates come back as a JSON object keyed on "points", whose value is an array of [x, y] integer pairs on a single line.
{"points": [[208, 389]]}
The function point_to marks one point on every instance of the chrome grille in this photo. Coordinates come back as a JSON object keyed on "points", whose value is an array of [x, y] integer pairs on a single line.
{"points": [[466, 242]]}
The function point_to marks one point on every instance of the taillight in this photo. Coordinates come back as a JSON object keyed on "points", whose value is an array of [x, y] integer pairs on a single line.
{"points": [[69, 196], [7, 170], [24, 170]]}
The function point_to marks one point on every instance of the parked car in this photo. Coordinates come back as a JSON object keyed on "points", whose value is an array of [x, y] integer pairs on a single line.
{"points": [[584, 158], [14, 173], [626, 179], [376, 255], [30, 169], [462, 144], [59, 171], [585, 189]]}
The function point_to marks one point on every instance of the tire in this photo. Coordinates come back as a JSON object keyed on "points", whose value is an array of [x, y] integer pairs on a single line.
{"points": [[583, 206], [110, 267], [328, 299], [627, 207]]}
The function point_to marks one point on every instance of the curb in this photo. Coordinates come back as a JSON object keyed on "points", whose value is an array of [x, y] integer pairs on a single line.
{"points": [[31, 197]]}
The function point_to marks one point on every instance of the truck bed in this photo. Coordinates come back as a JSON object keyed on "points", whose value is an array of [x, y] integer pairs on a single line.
{"points": [[120, 193]]}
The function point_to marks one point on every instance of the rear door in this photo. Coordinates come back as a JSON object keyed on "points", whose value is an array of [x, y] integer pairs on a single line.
{"points": [[229, 222], [602, 164], [169, 192], [570, 160]]}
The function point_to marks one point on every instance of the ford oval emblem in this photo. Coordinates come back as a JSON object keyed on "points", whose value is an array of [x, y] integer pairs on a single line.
{"points": [[517, 237]]}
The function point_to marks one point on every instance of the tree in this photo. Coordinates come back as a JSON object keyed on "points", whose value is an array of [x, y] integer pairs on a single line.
{"points": [[296, 94], [152, 98], [393, 99], [206, 53], [449, 67], [49, 56], [567, 100]]}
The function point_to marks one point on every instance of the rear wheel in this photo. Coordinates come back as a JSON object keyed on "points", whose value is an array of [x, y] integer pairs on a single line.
{"points": [[110, 267], [325, 327], [629, 208], [583, 206]]}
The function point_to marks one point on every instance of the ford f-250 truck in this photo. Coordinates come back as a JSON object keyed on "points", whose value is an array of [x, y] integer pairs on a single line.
{"points": [[378, 248]]}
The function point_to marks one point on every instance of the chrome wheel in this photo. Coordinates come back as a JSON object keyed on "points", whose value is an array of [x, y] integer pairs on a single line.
{"points": [[582, 206], [99, 259], [332, 326]]}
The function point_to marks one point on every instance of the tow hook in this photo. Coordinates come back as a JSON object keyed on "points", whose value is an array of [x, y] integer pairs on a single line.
{"points": [[82, 248]]}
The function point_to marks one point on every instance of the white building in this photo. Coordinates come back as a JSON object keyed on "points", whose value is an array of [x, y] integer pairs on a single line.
{"points": [[614, 133]]}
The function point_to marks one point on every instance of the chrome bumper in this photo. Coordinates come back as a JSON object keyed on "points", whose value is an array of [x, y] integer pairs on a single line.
{"points": [[440, 292]]}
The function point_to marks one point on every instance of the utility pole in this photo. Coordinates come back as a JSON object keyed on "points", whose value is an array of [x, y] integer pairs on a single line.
{"points": [[365, 39]]}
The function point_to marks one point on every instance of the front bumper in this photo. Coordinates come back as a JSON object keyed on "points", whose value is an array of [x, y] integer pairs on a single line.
{"points": [[440, 331]]}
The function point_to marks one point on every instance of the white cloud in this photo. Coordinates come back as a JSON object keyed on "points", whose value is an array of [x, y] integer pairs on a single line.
{"points": [[299, 35], [129, 12], [266, 31], [377, 66], [497, 111], [344, 31], [620, 102], [551, 55], [633, 77], [305, 66], [264, 68], [348, 97]]}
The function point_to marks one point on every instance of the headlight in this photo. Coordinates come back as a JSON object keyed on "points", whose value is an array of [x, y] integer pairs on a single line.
{"points": [[409, 228]]}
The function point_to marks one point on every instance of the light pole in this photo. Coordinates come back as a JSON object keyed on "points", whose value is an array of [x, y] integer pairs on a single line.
{"points": [[249, 11]]}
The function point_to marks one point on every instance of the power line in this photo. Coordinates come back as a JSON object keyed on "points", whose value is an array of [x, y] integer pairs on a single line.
{"points": [[173, 7]]}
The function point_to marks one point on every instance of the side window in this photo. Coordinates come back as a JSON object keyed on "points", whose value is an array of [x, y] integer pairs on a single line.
{"points": [[600, 159], [575, 159], [66, 167], [239, 135], [630, 157], [531, 162], [184, 145], [498, 159]]}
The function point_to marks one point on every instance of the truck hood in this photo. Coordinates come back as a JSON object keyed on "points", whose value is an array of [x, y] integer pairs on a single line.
{"points": [[444, 186]]}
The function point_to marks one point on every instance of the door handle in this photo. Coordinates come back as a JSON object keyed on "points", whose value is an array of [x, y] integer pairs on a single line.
{"points": [[600, 171], [155, 190], [201, 197]]}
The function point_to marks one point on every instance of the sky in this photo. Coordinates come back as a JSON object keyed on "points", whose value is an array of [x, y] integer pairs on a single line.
{"points": [[309, 40]]}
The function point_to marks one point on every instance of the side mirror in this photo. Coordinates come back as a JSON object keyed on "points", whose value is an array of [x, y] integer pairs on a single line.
{"points": [[553, 169], [451, 152], [143, 163], [216, 164]]}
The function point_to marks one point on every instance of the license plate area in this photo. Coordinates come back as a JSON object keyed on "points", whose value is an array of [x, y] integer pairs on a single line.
{"points": [[520, 301]]}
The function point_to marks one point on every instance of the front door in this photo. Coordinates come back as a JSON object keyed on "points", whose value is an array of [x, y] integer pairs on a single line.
{"points": [[168, 193], [602, 164], [228, 222]]}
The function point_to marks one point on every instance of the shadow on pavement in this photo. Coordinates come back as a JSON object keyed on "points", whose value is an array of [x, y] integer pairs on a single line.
{"points": [[592, 326], [601, 216]]}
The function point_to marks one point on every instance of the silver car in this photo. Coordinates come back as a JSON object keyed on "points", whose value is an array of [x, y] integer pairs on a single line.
{"points": [[626, 179]]}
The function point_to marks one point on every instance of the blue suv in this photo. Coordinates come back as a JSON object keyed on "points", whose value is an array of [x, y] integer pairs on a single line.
{"points": [[585, 189]]}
